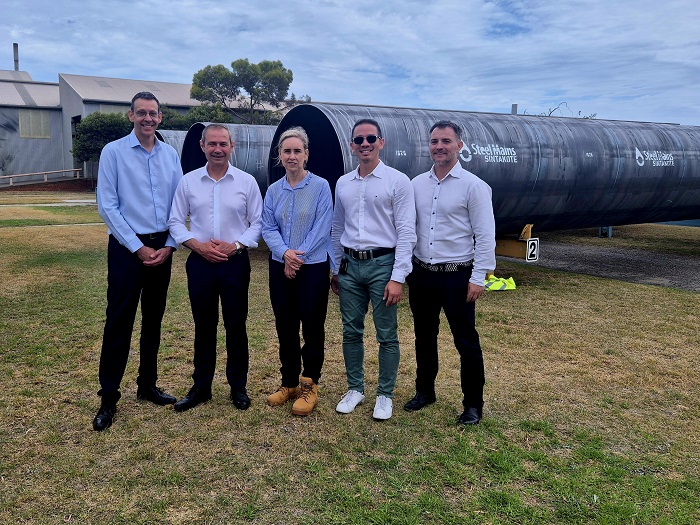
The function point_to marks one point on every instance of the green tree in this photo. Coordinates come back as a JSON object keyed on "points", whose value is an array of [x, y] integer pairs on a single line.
{"points": [[204, 113], [95, 131], [174, 120], [247, 89], [211, 113]]}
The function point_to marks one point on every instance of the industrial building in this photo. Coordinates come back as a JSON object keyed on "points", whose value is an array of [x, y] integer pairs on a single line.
{"points": [[38, 119]]}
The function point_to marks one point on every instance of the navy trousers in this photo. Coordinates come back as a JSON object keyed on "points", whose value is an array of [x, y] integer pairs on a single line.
{"points": [[428, 293], [128, 282], [300, 301], [208, 283]]}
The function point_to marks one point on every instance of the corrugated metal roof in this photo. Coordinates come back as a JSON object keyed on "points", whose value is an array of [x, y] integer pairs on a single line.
{"points": [[121, 90], [29, 94], [9, 74]]}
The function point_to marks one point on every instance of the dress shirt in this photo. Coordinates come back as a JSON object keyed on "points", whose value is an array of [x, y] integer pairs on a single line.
{"points": [[299, 218], [376, 211], [227, 210], [135, 189], [455, 221]]}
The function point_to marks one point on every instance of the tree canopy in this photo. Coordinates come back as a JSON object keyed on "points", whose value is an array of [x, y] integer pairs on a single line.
{"points": [[246, 89], [204, 113], [95, 131]]}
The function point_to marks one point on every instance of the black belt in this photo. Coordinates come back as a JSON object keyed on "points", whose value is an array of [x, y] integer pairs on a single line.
{"points": [[442, 267], [363, 255], [155, 235]]}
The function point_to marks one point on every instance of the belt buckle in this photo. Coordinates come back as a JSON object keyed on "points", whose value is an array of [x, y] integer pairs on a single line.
{"points": [[363, 255]]}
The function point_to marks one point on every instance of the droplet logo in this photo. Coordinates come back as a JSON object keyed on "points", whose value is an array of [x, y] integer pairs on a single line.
{"points": [[468, 156], [639, 156]]}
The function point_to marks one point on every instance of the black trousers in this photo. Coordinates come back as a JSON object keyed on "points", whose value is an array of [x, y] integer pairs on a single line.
{"points": [[300, 301], [208, 283], [128, 282], [428, 293]]}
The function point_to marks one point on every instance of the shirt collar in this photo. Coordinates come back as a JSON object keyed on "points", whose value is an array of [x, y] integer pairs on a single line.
{"points": [[134, 140], [303, 182], [377, 171], [229, 172], [456, 171]]}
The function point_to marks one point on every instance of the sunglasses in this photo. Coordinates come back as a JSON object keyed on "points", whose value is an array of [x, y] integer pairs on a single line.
{"points": [[371, 139]]}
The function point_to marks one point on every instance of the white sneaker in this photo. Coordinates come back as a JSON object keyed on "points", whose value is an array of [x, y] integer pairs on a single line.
{"points": [[349, 401], [383, 408]]}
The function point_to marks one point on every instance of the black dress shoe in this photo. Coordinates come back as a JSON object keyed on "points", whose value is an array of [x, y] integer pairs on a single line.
{"points": [[104, 417], [419, 401], [194, 397], [240, 399], [470, 416], [154, 395]]}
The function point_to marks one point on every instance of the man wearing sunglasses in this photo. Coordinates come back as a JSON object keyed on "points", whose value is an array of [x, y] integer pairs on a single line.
{"points": [[136, 182], [373, 237], [455, 250]]}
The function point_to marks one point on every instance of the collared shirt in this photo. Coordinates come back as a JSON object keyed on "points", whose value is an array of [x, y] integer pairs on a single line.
{"points": [[376, 211], [299, 218], [135, 189], [455, 221], [226, 210]]}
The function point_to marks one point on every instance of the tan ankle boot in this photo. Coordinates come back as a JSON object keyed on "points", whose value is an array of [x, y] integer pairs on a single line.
{"points": [[307, 399], [282, 395]]}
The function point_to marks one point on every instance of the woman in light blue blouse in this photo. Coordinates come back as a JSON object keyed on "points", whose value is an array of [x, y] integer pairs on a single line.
{"points": [[297, 218]]}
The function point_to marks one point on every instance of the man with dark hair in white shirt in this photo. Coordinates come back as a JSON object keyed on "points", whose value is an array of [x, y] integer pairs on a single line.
{"points": [[455, 250], [224, 206], [373, 236]]}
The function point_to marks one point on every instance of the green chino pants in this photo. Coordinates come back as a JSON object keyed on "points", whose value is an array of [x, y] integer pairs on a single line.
{"points": [[365, 281]]}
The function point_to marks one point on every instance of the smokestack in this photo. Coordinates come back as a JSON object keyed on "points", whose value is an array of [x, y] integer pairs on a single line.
{"points": [[513, 109], [15, 48]]}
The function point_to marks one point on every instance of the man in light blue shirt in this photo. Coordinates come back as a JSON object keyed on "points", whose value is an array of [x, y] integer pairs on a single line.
{"points": [[224, 205], [136, 182]]}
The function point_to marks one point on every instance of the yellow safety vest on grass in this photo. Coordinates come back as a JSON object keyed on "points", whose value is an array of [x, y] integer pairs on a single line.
{"points": [[497, 284]]}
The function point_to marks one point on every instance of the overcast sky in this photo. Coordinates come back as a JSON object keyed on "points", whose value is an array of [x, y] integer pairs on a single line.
{"points": [[620, 59]]}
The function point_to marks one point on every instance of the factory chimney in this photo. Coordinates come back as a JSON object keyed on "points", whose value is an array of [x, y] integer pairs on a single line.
{"points": [[15, 48]]}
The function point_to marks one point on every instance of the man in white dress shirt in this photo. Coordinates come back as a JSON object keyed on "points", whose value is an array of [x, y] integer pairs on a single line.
{"points": [[224, 206], [373, 236], [455, 250]]}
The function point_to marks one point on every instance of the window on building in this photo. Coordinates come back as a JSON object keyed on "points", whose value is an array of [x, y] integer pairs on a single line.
{"points": [[34, 124], [113, 108]]}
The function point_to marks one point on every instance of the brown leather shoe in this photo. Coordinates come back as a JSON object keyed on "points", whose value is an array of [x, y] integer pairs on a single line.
{"points": [[282, 395], [308, 398]]}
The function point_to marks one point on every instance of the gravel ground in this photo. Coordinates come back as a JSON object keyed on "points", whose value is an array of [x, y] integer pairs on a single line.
{"points": [[630, 265]]}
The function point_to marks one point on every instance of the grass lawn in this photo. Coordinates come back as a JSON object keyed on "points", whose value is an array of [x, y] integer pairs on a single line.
{"points": [[591, 411]]}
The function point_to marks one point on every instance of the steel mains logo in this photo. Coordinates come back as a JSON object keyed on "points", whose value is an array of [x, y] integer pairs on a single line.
{"points": [[489, 152], [657, 159]]}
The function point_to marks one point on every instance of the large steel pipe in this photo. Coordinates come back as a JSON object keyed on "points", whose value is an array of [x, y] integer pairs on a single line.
{"points": [[554, 172], [174, 137], [250, 153]]}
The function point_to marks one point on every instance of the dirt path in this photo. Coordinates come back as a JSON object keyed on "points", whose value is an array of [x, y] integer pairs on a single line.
{"points": [[630, 265]]}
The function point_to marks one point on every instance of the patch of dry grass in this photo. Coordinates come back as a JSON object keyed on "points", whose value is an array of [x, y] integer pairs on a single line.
{"points": [[42, 197], [658, 238], [591, 390]]}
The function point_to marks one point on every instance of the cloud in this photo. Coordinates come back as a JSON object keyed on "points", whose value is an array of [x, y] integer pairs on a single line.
{"points": [[633, 60]]}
